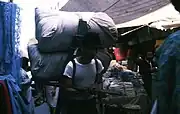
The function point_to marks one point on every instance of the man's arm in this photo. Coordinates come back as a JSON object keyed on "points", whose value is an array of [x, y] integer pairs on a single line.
{"points": [[67, 78]]}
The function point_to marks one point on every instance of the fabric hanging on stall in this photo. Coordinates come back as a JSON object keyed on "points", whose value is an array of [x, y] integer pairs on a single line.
{"points": [[119, 54], [5, 102], [19, 106], [10, 63], [9, 39]]}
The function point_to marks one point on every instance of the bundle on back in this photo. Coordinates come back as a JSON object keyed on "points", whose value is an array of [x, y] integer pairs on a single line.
{"points": [[55, 30], [55, 34], [46, 66]]}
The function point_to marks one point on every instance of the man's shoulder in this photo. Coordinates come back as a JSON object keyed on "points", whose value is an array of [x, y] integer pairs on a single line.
{"points": [[172, 40], [175, 36]]}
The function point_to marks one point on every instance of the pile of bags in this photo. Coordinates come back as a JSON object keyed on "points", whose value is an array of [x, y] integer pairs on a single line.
{"points": [[123, 81], [57, 33], [119, 79]]}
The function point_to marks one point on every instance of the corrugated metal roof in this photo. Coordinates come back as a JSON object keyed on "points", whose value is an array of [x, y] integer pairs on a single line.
{"points": [[122, 11]]}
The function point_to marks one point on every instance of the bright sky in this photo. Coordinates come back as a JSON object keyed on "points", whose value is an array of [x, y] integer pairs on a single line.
{"points": [[27, 14]]}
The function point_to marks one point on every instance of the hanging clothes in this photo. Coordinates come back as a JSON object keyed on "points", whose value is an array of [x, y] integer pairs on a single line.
{"points": [[5, 103], [119, 54], [9, 40], [19, 106], [10, 57]]}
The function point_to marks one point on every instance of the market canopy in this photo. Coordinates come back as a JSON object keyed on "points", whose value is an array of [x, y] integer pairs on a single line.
{"points": [[164, 18]]}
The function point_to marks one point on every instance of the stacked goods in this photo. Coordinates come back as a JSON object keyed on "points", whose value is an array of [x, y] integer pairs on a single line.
{"points": [[117, 85], [116, 79], [119, 79], [126, 88], [57, 32], [46, 65]]}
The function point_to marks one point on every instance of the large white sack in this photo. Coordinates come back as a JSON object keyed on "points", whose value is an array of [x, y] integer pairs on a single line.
{"points": [[56, 29]]}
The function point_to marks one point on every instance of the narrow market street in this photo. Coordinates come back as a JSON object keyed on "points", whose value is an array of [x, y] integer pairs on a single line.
{"points": [[89, 57], [43, 109]]}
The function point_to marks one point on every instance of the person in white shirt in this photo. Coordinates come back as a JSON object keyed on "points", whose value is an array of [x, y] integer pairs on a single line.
{"points": [[87, 70]]}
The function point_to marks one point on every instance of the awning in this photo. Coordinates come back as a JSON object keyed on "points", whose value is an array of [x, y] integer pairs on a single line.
{"points": [[164, 18]]}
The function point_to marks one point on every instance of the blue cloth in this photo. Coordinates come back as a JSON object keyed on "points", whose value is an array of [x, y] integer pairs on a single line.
{"points": [[168, 76], [18, 104], [9, 40], [10, 55]]}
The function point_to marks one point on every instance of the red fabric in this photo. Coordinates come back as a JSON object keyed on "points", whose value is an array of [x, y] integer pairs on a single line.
{"points": [[118, 54], [7, 98]]}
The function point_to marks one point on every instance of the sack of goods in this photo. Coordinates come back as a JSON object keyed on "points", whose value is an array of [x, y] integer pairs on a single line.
{"points": [[46, 66], [58, 31], [55, 30]]}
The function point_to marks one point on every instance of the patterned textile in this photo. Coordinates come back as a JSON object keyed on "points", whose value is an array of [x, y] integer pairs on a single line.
{"points": [[168, 79], [9, 40], [10, 56]]}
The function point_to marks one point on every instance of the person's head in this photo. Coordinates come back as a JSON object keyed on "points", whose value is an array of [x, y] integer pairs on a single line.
{"points": [[24, 63], [89, 47], [87, 53], [176, 4]]}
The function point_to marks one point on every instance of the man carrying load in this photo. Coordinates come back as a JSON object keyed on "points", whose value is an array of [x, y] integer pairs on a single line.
{"points": [[84, 72]]}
